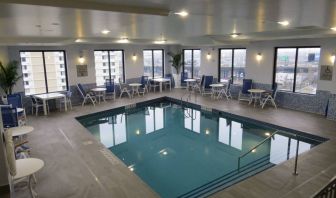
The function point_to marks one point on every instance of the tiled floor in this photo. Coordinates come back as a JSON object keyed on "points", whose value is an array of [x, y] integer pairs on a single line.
{"points": [[75, 165]]}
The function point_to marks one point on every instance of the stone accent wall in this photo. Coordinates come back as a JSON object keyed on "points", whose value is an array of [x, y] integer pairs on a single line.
{"points": [[331, 113]]}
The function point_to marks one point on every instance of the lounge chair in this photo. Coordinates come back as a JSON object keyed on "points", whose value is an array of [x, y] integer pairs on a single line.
{"points": [[244, 94], [270, 96], [124, 88], [86, 95]]}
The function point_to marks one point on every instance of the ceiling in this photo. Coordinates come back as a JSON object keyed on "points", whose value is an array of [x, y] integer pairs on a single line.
{"points": [[210, 22]]}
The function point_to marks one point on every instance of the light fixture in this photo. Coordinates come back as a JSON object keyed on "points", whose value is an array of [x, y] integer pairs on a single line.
{"points": [[81, 58], [182, 13], [235, 35], [160, 42], [259, 57], [134, 57], [137, 132], [79, 40], [332, 58], [333, 28], [208, 56], [267, 134], [105, 31], [283, 23], [123, 40]]}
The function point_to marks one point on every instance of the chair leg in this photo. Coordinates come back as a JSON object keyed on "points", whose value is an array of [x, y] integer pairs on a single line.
{"points": [[32, 192], [36, 110]]}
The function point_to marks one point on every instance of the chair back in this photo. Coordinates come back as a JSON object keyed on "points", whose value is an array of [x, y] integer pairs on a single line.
{"points": [[170, 76], [15, 100], [144, 81], [208, 81], [202, 80], [184, 75], [247, 84], [275, 90], [68, 94], [230, 82], [109, 86], [9, 116], [81, 90]]}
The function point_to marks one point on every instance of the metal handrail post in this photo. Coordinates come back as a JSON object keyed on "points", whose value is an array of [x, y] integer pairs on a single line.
{"points": [[296, 158]]}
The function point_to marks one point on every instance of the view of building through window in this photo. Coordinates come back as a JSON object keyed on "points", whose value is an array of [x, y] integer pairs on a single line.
{"points": [[232, 61], [297, 69], [43, 71], [109, 65], [192, 63], [153, 63]]}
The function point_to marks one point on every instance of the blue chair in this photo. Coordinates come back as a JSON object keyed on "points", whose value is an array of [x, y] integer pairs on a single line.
{"points": [[86, 95], [270, 96], [9, 116], [206, 89], [184, 76], [244, 94], [16, 101], [110, 88], [68, 95], [144, 81], [172, 82]]}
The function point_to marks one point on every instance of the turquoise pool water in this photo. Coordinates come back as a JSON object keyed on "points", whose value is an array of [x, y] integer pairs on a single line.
{"points": [[184, 152]]}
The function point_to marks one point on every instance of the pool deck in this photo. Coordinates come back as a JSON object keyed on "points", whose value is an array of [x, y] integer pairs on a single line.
{"points": [[76, 165]]}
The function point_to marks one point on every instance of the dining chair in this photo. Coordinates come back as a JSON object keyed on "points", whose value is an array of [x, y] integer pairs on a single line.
{"points": [[244, 94], [270, 97], [16, 101], [124, 88], [68, 95], [36, 104], [110, 88], [9, 116], [207, 89]]}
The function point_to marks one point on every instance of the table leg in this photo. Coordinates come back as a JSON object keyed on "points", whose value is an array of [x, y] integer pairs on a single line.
{"points": [[65, 104], [160, 86], [170, 85], [45, 107]]}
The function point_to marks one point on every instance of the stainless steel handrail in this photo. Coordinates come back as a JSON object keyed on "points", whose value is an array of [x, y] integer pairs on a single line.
{"points": [[253, 148]]}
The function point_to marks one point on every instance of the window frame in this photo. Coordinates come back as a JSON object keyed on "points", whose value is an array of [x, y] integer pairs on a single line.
{"points": [[192, 62], [163, 58], [295, 66], [232, 61], [109, 62], [45, 70]]}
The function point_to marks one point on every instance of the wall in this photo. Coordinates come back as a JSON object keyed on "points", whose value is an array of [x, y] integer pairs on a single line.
{"points": [[3, 54]]}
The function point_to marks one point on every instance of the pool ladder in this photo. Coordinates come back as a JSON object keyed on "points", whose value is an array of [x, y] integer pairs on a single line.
{"points": [[189, 113]]}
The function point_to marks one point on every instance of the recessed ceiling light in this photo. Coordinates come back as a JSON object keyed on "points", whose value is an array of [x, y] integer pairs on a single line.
{"points": [[79, 40], [123, 40], [333, 28], [235, 35], [183, 13], [105, 31], [283, 23], [160, 41]]}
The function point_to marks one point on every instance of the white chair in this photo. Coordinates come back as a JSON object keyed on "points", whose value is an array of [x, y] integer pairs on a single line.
{"points": [[124, 89], [68, 95], [37, 104], [86, 95], [270, 97], [21, 169]]}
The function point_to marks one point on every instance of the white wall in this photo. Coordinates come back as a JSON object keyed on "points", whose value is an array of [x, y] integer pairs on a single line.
{"points": [[3, 54]]}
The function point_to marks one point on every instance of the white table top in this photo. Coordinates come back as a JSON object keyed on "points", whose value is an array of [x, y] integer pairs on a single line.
{"points": [[190, 80], [256, 90], [22, 130], [19, 109], [50, 96], [134, 84], [216, 85], [161, 79], [28, 166], [98, 89]]}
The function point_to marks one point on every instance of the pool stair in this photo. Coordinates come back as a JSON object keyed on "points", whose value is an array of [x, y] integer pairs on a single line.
{"points": [[230, 178]]}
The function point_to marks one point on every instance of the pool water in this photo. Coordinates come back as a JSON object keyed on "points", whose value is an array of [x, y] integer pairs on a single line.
{"points": [[184, 152]]}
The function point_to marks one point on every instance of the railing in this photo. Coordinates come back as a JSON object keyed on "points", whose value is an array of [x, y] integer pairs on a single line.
{"points": [[328, 191], [253, 148]]}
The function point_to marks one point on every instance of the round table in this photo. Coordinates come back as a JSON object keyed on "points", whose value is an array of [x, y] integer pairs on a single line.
{"points": [[99, 92], [135, 88], [255, 95], [190, 81], [216, 88], [21, 130]]}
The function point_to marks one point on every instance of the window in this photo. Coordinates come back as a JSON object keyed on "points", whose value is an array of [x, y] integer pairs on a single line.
{"points": [[153, 63], [104, 67], [43, 71], [154, 119], [232, 61], [192, 63], [296, 69]]}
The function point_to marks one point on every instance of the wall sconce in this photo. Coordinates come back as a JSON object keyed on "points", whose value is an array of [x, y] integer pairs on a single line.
{"points": [[134, 57], [81, 58], [208, 56], [259, 57], [332, 58]]}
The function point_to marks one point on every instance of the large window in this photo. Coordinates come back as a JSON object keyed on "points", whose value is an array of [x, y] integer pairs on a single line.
{"points": [[296, 69], [192, 63], [232, 61], [44, 71], [153, 63], [109, 65]]}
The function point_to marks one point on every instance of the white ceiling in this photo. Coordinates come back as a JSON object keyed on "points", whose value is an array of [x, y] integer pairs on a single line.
{"points": [[210, 22]]}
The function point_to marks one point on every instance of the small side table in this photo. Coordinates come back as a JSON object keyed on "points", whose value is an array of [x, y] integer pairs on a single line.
{"points": [[99, 92], [135, 88], [255, 95]]}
